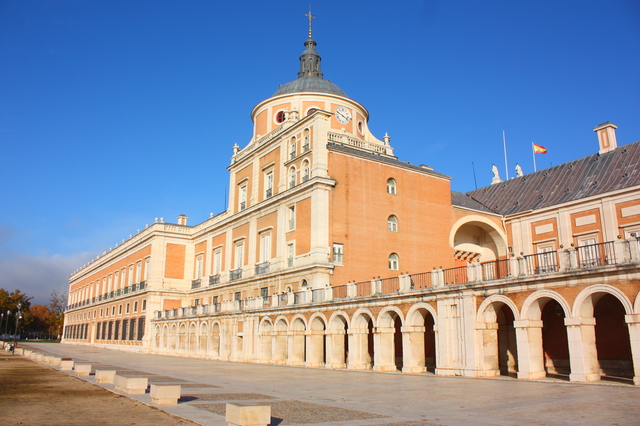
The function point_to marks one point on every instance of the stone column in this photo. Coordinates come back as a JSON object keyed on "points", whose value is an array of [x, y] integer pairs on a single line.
{"points": [[413, 349], [384, 349], [359, 358], [315, 348], [335, 349], [530, 352], [583, 355], [296, 347], [633, 322], [488, 361]]}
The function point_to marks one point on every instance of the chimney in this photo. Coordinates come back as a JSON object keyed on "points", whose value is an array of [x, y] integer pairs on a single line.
{"points": [[182, 220], [606, 137]]}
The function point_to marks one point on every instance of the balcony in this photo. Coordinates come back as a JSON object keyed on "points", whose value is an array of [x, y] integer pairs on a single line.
{"points": [[269, 193], [214, 279], [262, 268], [236, 274], [243, 205], [195, 283]]}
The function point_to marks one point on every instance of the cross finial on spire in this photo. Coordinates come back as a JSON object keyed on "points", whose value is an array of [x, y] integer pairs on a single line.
{"points": [[310, 16]]}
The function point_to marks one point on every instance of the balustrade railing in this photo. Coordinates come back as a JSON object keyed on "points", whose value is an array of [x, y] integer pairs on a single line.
{"points": [[262, 268], [236, 274], [495, 270], [390, 285], [542, 263], [363, 288], [195, 283], [419, 281], [214, 279], [593, 255], [340, 292], [454, 276]]}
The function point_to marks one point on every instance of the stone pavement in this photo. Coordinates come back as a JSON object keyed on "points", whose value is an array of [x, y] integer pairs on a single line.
{"points": [[306, 396]]}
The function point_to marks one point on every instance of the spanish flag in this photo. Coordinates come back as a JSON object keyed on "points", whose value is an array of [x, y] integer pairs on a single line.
{"points": [[539, 149]]}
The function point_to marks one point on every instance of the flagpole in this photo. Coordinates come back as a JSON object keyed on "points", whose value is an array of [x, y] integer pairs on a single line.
{"points": [[506, 165], [533, 152]]}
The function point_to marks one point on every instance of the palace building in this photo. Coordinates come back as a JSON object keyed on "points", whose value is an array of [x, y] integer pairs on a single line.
{"points": [[335, 254]]}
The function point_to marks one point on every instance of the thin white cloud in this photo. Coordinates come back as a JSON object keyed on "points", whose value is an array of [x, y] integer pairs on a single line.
{"points": [[36, 276]]}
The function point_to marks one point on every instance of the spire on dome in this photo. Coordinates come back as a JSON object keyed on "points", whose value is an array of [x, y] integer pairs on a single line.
{"points": [[310, 60]]}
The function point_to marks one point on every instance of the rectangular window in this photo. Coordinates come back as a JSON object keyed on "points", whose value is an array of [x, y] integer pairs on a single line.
{"points": [[199, 267], [265, 250], [147, 263], [120, 310], [237, 296], [139, 272], [144, 305], [239, 253], [217, 261], [290, 254], [113, 310], [135, 306], [337, 254], [243, 197], [130, 277], [264, 292], [196, 302], [292, 218], [127, 307], [268, 185]]}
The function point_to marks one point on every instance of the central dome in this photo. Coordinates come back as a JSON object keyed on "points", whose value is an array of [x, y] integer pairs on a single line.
{"points": [[310, 76], [310, 84]]}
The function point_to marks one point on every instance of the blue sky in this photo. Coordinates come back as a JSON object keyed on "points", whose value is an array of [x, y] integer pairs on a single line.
{"points": [[113, 113]]}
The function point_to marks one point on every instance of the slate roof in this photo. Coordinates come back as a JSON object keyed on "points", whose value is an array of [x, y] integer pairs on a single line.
{"points": [[461, 199], [310, 84], [585, 177]]}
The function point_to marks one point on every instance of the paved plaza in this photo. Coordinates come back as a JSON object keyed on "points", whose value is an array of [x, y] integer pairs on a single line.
{"points": [[338, 397]]}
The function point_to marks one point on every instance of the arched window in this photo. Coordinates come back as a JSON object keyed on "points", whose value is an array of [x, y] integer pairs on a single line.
{"points": [[305, 171], [292, 177], [391, 186], [306, 143], [393, 262], [392, 223]]}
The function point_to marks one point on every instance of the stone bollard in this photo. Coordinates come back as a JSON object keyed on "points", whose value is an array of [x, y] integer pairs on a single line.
{"points": [[248, 414], [82, 369], [27, 352], [66, 365], [165, 394], [105, 376], [130, 385], [55, 361], [39, 357]]}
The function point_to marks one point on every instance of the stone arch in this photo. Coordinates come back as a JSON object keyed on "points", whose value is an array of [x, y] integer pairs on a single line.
{"points": [[203, 338], [215, 339], [165, 336], [594, 293], [636, 304], [173, 337], [280, 349], [496, 318], [420, 338], [265, 331], [468, 237], [317, 340], [338, 339], [361, 340], [543, 343], [601, 328], [388, 340], [158, 335], [297, 340], [193, 337]]}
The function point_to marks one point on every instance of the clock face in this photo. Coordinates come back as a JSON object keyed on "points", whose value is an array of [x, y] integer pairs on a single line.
{"points": [[343, 115]]}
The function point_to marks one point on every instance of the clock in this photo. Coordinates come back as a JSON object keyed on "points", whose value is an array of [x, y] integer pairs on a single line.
{"points": [[343, 115]]}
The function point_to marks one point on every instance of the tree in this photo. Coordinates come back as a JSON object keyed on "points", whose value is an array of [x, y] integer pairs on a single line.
{"points": [[57, 305], [40, 326], [9, 302]]}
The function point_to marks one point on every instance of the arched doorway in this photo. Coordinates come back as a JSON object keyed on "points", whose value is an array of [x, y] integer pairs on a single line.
{"points": [[203, 337], [361, 342], [317, 343], [173, 338], [215, 340], [612, 338], [554, 340], [280, 349], [477, 239], [193, 338], [338, 342], [499, 344], [389, 336], [266, 344], [297, 342], [420, 338]]}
